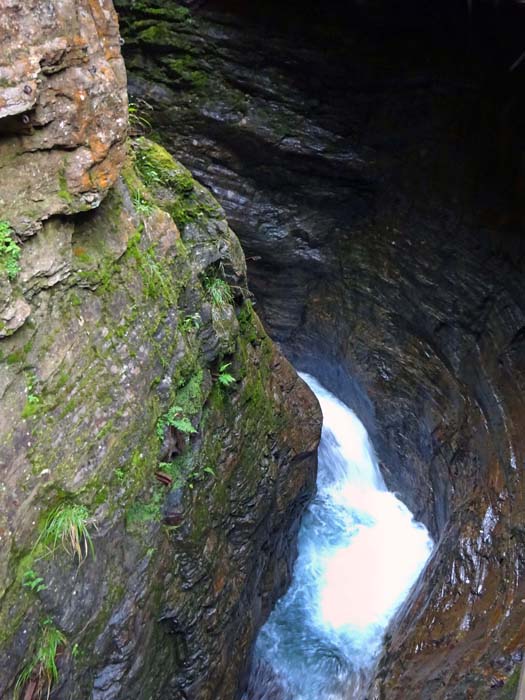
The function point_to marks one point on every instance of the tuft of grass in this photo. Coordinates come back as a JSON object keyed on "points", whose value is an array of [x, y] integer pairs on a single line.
{"points": [[218, 291], [189, 323], [142, 206], [42, 669], [150, 170], [66, 526], [9, 251], [138, 123]]}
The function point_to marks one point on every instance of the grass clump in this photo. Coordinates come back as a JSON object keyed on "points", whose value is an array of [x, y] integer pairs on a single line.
{"points": [[218, 291], [67, 526], [153, 164], [42, 670], [9, 251], [138, 123], [142, 206], [189, 323]]}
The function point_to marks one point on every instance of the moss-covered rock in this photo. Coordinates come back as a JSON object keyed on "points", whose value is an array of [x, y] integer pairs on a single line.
{"points": [[111, 407]]}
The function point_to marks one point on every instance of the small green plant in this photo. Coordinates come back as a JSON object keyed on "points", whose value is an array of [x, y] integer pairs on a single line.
{"points": [[75, 651], [225, 378], [141, 204], [218, 290], [32, 399], [138, 123], [189, 323], [67, 525], [197, 475], [150, 171], [120, 474], [32, 581], [9, 251], [42, 670], [174, 418], [169, 468]]}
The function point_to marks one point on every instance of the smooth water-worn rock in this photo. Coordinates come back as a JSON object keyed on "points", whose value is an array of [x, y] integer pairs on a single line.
{"points": [[373, 173]]}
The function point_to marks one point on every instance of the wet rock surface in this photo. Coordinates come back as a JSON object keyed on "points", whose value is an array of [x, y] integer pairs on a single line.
{"points": [[157, 449], [374, 179], [182, 570]]}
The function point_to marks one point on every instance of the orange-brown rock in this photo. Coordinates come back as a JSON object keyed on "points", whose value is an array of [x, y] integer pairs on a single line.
{"points": [[63, 108]]}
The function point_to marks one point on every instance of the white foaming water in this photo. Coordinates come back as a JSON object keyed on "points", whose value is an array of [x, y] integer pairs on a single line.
{"points": [[360, 551]]}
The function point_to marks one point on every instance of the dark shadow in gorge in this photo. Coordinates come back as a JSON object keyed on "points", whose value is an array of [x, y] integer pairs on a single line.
{"points": [[371, 161]]}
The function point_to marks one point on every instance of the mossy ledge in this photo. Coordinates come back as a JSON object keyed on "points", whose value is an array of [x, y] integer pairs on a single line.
{"points": [[189, 512]]}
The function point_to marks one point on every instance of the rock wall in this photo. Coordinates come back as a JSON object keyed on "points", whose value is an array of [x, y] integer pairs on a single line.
{"points": [[63, 108], [157, 450], [375, 179]]}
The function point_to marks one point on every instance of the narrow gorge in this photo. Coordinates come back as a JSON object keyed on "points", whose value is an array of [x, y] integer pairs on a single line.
{"points": [[158, 448]]}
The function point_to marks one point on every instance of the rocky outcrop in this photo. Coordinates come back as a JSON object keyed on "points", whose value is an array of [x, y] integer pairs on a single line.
{"points": [[63, 108], [157, 450], [145, 404], [381, 215]]}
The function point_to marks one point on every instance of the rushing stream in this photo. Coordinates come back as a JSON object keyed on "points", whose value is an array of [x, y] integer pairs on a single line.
{"points": [[360, 551]]}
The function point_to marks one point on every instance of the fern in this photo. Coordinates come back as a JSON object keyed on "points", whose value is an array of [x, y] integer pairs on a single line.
{"points": [[224, 377], [174, 418]]}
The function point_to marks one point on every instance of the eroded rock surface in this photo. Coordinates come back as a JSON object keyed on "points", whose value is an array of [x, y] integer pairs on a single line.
{"points": [[374, 176], [157, 450], [193, 527], [63, 108]]}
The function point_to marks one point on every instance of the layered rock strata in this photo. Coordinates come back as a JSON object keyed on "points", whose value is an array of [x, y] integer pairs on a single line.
{"points": [[375, 180], [157, 450]]}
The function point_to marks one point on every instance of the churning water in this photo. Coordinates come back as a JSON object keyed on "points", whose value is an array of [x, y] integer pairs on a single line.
{"points": [[360, 551]]}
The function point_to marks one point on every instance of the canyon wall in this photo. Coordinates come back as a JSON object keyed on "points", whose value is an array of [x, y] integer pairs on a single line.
{"points": [[373, 169], [157, 449]]}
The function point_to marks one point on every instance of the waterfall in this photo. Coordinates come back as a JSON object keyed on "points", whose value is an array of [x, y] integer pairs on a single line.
{"points": [[360, 551]]}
